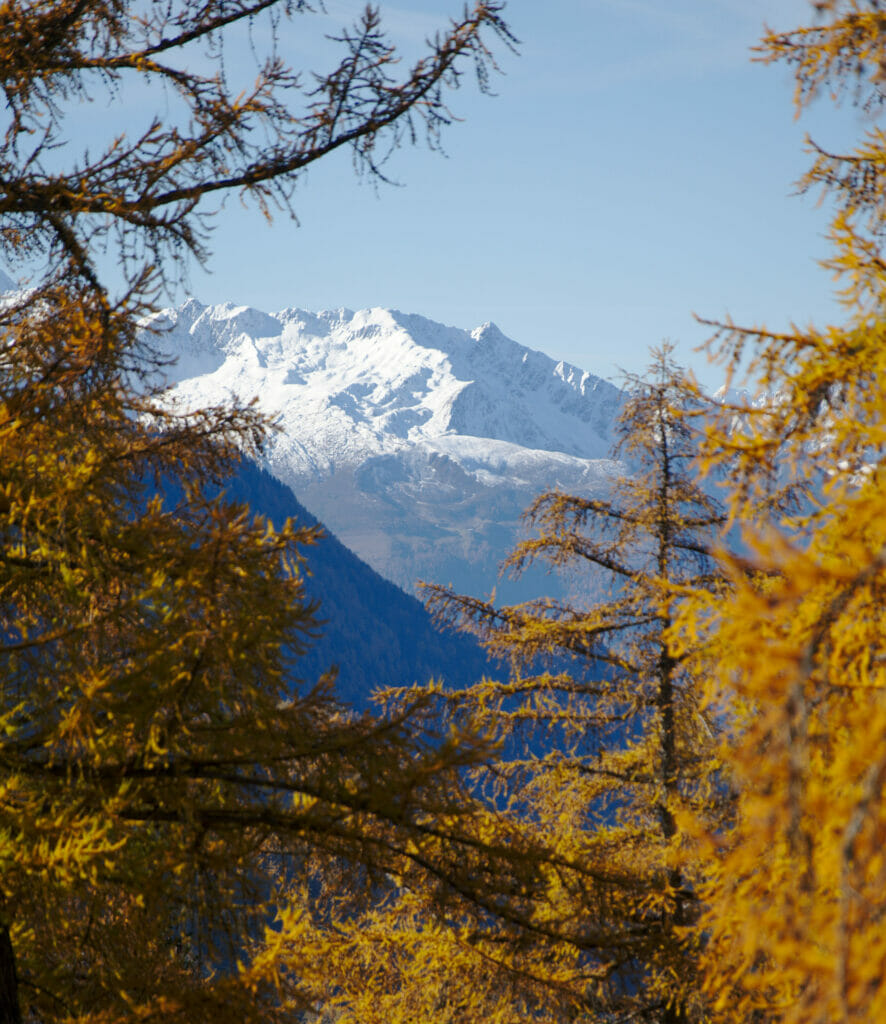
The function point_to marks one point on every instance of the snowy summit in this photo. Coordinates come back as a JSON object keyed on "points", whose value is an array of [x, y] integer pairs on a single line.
{"points": [[418, 444]]}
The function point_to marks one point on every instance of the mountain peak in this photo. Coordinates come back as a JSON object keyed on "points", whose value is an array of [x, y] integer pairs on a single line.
{"points": [[388, 416], [486, 330]]}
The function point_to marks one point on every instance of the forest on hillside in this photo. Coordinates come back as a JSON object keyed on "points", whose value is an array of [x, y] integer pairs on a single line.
{"points": [[669, 809]]}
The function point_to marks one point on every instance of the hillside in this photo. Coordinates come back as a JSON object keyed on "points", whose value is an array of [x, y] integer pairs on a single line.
{"points": [[375, 633]]}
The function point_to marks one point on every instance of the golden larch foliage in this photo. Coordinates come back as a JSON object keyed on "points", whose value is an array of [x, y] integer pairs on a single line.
{"points": [[794, 652], [173, 798], [603, 740]]}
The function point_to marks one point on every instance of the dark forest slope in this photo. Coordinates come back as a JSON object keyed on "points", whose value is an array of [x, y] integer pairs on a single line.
{"points": [[375, 633]]}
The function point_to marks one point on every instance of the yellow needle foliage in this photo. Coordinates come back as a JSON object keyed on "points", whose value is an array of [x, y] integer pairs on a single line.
{"points": [[603, 743], [796, 660], [172, 801], [180, 814]]}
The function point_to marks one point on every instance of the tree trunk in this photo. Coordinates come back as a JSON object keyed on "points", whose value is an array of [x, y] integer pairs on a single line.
{"points": [[9, 1008]]}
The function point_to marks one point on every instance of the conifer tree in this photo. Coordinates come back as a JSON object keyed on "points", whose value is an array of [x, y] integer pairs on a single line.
{"points": [[796, 652], [171, 794], [603, 739]]}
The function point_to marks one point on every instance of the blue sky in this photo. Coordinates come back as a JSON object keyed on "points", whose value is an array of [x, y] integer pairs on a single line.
{"points": [[634, 167]]}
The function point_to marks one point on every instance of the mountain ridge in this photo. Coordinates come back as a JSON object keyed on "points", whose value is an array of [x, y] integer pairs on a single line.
{"points": [[417, 443]]}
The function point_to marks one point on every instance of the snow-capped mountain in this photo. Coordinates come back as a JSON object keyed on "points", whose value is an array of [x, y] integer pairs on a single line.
{"points": [[418, 444]]}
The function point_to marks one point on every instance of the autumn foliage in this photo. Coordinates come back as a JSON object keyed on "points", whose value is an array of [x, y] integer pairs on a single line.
{"points": [[672, 810], [796, 650], [604, 739], [173, 796]]}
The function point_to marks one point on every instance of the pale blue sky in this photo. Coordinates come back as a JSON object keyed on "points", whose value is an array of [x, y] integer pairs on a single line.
{"points": [[634, 167]]}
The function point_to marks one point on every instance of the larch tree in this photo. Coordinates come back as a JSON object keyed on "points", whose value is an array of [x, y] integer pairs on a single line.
{"points": [[797, 894], [603, 740], [171, 794]]}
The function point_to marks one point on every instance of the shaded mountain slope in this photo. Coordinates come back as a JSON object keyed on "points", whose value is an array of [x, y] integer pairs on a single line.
{"points": [[375, 633]]}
